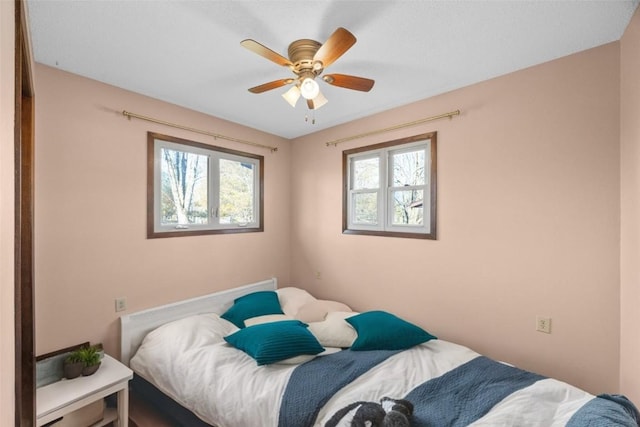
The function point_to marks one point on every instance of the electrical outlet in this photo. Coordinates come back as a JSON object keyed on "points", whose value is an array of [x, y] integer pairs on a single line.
{"points": [[318, 275], [121, 304], [543, 324]]}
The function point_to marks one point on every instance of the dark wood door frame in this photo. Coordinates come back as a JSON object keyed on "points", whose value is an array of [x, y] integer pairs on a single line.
{"points": [[25, 408]]}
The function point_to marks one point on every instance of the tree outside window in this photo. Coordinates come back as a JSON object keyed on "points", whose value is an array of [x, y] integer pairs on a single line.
{"points": [[201, 189], [390, 188]]}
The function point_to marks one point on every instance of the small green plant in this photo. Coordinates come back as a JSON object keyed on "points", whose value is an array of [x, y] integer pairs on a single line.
{"points": [[88, 356], [73, 357]]}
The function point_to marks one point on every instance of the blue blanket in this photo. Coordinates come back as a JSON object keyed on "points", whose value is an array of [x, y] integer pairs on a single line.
{"points": [[328, 374], [456, 398], [606, 410], [466, 393]]}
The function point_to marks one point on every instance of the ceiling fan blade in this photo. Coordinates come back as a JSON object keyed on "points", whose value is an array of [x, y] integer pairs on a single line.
{"points": [[337, 44], [265, 52], [271, 85], [349, 82]]}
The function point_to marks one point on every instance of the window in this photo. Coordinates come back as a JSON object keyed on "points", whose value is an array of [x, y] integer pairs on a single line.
{"points": [[390, 188], [197, 188]]}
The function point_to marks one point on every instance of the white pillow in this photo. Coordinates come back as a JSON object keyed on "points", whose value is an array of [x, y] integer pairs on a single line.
{"points": [[267, 318], [313, 311], [180, 336], [316, 311], [333, 331], [335, 306], [291, 299]]}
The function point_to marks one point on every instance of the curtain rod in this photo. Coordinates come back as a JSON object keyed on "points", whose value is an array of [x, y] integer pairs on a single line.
{"points": [[400, 126], [129, 115]]}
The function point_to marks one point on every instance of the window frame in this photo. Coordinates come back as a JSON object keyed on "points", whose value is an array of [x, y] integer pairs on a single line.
{"points": [[385, 205], [156, 141]]}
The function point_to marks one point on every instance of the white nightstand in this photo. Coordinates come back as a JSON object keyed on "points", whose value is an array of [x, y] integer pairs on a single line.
{"points": [[57, 399]]}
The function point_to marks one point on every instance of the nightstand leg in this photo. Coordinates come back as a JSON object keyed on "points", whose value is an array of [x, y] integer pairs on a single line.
{"points": [[123, 408]]}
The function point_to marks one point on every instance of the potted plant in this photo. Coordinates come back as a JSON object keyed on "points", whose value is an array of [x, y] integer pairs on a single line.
{"points": [[73, 365], [83, 361], [91, 359]]}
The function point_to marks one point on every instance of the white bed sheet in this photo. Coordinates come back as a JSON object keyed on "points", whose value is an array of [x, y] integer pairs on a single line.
{"points": [[189, 361]]}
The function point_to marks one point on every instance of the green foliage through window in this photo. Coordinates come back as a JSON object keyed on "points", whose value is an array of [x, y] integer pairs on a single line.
{"points": [[202, 189], [390, 188]]}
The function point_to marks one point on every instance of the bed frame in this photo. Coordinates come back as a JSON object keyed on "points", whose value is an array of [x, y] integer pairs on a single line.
{"points": [[135, 326]]}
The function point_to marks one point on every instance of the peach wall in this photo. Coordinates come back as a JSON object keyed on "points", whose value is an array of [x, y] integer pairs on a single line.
{"points": [[630, 209], [528, 220], [91, 244], [7, 336]]}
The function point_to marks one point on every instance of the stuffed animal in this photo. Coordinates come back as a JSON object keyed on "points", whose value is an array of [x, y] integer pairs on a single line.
{"points": [[388, 413]]}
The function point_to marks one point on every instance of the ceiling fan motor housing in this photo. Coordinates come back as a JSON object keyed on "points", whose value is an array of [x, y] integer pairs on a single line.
{"points": [[301, 53]]}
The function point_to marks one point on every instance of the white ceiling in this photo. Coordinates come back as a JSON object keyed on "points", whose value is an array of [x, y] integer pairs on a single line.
{"points": [[188, 52]]}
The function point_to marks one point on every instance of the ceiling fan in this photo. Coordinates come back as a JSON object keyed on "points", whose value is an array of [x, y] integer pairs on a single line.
{"points": [[307, 60]]}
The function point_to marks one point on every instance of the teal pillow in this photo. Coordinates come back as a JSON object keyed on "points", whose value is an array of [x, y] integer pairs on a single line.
{"points": [[276, 341], [379, 330], [252, 305]]}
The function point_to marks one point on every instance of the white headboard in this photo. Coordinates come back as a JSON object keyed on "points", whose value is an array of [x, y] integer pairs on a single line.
{"points": [[135, 326]]}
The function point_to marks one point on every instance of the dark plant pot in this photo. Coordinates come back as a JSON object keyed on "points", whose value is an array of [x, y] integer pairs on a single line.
{"points": [[72, 370], [90, 370]]}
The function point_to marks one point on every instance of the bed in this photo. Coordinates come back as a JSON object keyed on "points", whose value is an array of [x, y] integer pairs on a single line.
{"points": [[203, 365]]}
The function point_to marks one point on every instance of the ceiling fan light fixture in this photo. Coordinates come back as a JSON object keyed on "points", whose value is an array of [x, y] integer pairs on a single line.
{"points": [[292, 95], [319, 101], [309, 88]]}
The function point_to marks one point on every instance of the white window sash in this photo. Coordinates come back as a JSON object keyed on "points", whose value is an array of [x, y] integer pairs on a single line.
{"points": [[385, 208], [213, 192]]}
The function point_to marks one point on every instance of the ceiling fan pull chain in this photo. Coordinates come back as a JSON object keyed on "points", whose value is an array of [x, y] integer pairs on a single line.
{"points": [[313, 118]]}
